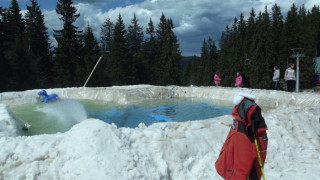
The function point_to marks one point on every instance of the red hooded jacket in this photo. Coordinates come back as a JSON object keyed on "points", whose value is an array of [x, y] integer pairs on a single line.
{"points": [[238, 156]]}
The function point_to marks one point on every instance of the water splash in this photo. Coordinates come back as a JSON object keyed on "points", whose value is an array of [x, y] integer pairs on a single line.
{"points": [[65, 112]]}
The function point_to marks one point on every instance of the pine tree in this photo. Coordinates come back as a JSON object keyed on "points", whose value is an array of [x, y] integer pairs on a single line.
{"points": [[290, 33], [213, 62], [268, 42], [3, 61], [16, 63], [107, 35], [314, 21], [134, 40], [190, 75], [208, 63], [90, 54], [260, 67], [161, 28], [38, 47], [67, 60], [185, 75], [242, 42], [150, 30], [232, 61], [159, 64], [135, 36], [223, 62], [121, 70], [307, 41], [148, 56], [250, 34], [169, 67], [277, 26], [202, 64], [241, 50]]}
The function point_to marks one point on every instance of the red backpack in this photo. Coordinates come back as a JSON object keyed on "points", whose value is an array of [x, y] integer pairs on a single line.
{"points": [[238, 156]]}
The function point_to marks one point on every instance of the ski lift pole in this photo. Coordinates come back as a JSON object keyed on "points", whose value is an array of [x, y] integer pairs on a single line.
{"points": [[92, 71], [259, 158], [297, 53]]}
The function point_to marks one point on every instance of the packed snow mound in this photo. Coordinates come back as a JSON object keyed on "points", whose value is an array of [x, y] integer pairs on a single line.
{"points": [[93, 149]]}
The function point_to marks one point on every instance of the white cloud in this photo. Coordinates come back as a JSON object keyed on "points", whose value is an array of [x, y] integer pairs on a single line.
{"points": [[96, 1], [52, 22], [193, 20], [90, 15], [309, 4], [185, 27]]}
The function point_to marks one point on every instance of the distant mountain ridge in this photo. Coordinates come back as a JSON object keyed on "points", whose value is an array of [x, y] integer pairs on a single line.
{"points": [[185, 60]]}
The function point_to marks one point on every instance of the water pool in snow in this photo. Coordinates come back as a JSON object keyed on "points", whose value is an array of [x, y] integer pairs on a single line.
{"points": [[62, 115], [176, 110]]}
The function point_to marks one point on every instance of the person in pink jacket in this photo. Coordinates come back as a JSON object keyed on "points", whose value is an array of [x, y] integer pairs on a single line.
{"points": [[238, 80], [217, 78]]}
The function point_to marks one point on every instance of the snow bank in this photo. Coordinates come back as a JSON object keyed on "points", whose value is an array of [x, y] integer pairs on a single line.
{"points": [[93, 149]]}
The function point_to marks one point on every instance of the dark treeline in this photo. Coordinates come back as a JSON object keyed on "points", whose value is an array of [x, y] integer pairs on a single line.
{"points": [[25, 57], [134, 55], [253, 46], [130, 55]]}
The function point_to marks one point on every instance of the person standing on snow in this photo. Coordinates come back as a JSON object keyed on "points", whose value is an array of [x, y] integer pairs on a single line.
{"points": [[276, 76], [238, 80], [239, 158], [217, 78], [290, 77]]}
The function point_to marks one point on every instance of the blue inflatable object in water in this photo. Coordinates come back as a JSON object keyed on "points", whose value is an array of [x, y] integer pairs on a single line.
{"points": [[162, 108], [114, 113], [46, 98], [159, 118], [205, 104]]}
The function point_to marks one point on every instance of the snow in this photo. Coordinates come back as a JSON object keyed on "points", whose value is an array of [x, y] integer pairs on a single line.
{"points": [[96, 150]]}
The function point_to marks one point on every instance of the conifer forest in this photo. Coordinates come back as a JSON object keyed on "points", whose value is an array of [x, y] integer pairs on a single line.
{"points": [[132, 54]]}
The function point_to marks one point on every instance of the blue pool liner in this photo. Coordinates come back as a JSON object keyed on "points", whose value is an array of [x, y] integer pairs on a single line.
{"points": [[159, 118]]}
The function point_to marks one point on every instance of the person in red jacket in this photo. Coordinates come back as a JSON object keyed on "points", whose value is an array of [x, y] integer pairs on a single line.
{"points": [[238, 159]]}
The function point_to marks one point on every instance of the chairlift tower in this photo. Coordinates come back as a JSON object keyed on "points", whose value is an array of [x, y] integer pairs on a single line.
{"points": [[297, 53]]}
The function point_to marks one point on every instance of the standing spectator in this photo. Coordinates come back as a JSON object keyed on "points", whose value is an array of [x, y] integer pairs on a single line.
{"points": [[217, 78], [290, 77], [238, 80], [276, 76]]}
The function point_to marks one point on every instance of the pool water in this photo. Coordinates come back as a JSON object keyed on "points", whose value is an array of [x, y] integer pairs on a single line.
{"points": [[173, 110], [60, 116], [49, 118]]}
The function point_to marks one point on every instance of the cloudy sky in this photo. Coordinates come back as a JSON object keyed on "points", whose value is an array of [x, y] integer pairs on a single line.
{"points": [[194, 20]]}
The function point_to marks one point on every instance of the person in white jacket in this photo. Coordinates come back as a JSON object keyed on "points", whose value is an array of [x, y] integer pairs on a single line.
{"points": [[290, 77], [276, 76]]}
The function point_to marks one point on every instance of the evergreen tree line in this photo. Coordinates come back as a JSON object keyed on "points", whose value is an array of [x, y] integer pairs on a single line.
{"points": [[129, 55], [135, 56], [253, 46]]}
